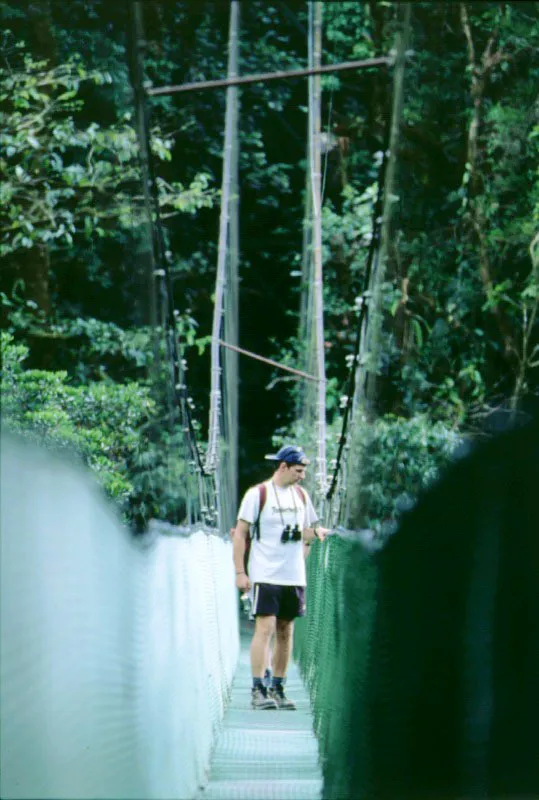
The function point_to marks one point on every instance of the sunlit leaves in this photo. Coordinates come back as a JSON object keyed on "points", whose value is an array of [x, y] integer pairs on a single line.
{"points": [[62, 179]]}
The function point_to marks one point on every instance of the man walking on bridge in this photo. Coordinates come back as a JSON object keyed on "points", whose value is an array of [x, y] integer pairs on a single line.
{"points": [[279, 517]]}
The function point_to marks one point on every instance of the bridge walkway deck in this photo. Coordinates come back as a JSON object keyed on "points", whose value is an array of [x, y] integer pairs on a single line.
{"points": [[264, 755]]}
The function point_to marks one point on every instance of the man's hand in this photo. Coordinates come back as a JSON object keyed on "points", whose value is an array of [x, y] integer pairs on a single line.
{"points": [[320, 533], [242, 582]]}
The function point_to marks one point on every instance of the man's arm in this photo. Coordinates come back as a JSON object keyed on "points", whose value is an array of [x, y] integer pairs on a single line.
{"points": [[239, 540], [313, 530]]}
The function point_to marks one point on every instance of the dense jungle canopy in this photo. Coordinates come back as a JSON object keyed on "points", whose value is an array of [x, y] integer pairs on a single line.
{"points": [[460, 335]]}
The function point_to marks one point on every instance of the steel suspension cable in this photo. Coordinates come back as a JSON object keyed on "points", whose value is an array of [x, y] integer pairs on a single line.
{"points": [[230, 355], [315, 42], [215, 392]]}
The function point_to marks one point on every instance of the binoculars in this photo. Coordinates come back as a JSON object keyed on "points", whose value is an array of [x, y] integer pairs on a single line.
{"points": [[291, 534]]}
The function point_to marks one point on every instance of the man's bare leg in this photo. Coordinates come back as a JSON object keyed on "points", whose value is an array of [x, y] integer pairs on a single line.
{"points": [[264, 628], [269, 660], [281, 658], [283, 647]]}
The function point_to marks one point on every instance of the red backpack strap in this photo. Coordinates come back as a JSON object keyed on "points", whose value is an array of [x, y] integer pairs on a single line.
{"points": [[262, 494], [255, 527], [301, 493]]}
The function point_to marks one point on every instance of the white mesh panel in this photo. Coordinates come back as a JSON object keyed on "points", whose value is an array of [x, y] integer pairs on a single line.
{"points": [[115, 659]]}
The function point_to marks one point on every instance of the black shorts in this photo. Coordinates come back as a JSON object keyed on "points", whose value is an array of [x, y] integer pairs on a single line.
{"points": [[283, 602]]}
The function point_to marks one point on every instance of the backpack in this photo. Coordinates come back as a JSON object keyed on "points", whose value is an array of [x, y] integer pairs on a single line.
{"points": [[255, 527]]}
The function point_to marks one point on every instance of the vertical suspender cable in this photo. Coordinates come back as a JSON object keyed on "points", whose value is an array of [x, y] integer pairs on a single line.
{"points": [[315, 35], [231, 318], [215, 393]]}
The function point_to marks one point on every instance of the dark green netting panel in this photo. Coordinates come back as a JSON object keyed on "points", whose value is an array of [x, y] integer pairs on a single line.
{"points": [[332, 645], [422, 658]]}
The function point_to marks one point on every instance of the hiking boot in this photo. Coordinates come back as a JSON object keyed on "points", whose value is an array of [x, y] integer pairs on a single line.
{"points": [[281, 700], [261, 701]]}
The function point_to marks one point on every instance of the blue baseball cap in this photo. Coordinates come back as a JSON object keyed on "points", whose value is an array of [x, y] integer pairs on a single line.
{"points": [[290, 454]]}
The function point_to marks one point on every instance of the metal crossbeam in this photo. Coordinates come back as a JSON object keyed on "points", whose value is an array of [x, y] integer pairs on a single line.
{"points": [[263, 77], [269, 361]]}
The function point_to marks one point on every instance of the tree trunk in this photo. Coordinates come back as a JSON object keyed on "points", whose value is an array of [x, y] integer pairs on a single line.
{"points": [[369, 351], [480, 71], [379, 107], [375, 315], [33, 266], [147, 256]]}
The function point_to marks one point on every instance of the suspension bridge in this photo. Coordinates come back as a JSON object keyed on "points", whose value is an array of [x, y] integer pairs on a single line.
{"points": [[124, 660]]}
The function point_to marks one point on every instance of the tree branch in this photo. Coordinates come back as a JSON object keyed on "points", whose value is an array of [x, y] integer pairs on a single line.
{"points": [[468, 33]]}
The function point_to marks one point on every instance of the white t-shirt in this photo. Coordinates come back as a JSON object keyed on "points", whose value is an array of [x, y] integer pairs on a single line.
{"points": [[270, 560]]}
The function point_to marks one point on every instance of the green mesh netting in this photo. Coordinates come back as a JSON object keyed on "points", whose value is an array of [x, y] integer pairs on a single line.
{"points": [[422, 658], [332, 645]]}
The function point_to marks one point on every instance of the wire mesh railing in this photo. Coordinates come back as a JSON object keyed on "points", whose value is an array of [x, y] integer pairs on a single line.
{"points": [[117, 654], [422, 656], [332, 645]]}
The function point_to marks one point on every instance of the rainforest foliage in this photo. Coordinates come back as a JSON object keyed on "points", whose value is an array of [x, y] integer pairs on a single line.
{"points": [[461, 291]]}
